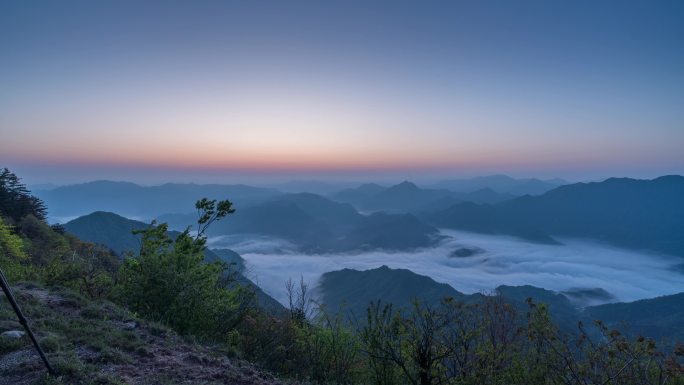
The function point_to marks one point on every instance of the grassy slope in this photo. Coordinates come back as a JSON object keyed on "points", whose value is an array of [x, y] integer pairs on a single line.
{"points": [[97, 342]]}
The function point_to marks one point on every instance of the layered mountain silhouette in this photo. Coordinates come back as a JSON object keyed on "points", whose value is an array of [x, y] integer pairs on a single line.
{"points": [[358, 194], [501, 184], [638, 214], [311, 186], [407, 197], [631, 213], [148, 202], [318, 224]]}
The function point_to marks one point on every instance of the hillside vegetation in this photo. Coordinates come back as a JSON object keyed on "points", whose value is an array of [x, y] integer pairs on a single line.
{"points": [[107, 320], [97, 342], [351, 291]]}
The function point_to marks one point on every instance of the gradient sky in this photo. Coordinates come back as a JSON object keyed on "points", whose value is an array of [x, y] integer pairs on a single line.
{"points": [[182, 89]]}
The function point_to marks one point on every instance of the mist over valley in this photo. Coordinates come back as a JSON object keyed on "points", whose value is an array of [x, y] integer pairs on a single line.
{"points": [[626, 275], [285, 235]]}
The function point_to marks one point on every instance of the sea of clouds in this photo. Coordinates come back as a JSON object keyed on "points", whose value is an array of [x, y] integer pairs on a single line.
{"points": [[576, 264]]}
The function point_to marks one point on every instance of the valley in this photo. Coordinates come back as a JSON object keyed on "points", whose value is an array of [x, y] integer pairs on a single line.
{"points": [[303, 235]]}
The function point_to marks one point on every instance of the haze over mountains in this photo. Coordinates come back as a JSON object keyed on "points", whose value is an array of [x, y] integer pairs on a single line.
{"points": [[338, 241], [501, 184], [638, 214], [321, 225], [148, 202], [145, 202], [408, 197], [314, 222]]}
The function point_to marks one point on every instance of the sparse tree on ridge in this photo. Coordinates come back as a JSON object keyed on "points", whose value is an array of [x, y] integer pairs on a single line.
{"points": [[16, 201]]}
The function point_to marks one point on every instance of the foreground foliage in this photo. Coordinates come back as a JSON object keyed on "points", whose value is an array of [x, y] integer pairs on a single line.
{"points": [[170, 283], [98, 342]]}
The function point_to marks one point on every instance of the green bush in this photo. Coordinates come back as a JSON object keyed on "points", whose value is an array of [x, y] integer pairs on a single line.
{"points": [[12, 253], [8, 345], [170, 282]]}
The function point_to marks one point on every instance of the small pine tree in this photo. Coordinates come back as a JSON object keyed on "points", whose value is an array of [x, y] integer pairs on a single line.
{"points": [[16, 200]]}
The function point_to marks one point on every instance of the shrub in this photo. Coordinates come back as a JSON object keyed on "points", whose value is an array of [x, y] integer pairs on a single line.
{"points": [[170, 282]]}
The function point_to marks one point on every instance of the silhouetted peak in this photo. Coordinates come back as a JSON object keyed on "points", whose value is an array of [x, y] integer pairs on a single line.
{"points": [[670, 179], [303, 195], [105, 182], [405, 186], [370, 186], [103, 214], [495, 177]]}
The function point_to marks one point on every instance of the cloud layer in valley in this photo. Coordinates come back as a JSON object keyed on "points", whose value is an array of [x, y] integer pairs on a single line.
{"points": [[577, 264]]}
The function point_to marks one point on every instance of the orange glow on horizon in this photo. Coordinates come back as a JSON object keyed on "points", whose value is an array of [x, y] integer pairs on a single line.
{"points": [[260, 160]]}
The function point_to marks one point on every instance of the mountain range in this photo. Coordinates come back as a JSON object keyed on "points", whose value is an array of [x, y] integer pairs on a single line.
{"points": [[318, 224], [351, 291], [501, 184], [630, 213], [636, 214], [407, 197], [146, 202]]}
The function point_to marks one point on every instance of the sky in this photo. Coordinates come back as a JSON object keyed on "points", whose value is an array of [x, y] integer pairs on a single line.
{"points": [[220, 90]]}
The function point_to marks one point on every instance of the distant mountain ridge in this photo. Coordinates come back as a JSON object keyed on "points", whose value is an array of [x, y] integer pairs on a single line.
{"points": [[318, 224], [138, 201], [149, 202], [310, 186], [631, 213], [501, 184], [407, 197]]}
